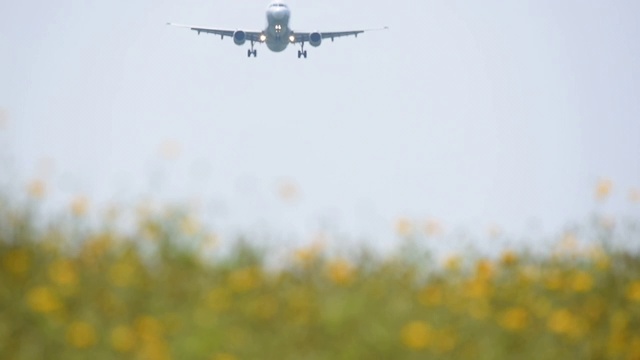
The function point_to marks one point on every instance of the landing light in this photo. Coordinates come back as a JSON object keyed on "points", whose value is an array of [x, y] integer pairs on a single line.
{"points": [[263, 37], [292, 38]]}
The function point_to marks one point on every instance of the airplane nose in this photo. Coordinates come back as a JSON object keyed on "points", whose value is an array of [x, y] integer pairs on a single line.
{"points": [[279, 14]]}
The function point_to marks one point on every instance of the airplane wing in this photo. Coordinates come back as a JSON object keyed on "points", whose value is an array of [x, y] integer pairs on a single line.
{"points": [[304, 36], [251, 35]]}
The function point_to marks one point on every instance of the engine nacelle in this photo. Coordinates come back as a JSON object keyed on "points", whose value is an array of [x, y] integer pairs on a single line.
{"points": [[315, 39], [239, 37]]}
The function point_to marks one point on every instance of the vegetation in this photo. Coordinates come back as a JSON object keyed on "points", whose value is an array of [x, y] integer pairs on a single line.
{"points": [[160, 290]]}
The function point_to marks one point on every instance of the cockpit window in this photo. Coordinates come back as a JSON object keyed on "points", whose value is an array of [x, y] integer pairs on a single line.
{"points": [[278, 5]]}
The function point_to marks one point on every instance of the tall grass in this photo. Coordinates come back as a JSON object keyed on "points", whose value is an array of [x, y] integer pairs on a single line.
{"points": [[69, 291]]}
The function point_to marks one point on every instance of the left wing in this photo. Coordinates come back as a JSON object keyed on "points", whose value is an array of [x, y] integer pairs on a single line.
{"points": [[304, 36], [251, 35]]}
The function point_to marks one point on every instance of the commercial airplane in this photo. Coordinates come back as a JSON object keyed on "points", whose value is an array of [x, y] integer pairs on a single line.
{"points": [[277, 35]]}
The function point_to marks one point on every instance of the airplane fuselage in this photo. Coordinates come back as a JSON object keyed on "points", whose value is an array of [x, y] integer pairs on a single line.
{"points": [[277, 32]]}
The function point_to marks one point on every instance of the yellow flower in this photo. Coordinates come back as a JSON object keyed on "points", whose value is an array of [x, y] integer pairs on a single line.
{"points": [[562, 322], [404, 227], [433, 228], [431, 296], [484, 270], [309, 254], [150, 229], [79, 206], [581, 282], [634, 348], [190, 226], [514, 319], [37, 189], [598, 255], [149, 328], [95, 247], [341, 272], [123, 338], [416, 335], [145, 209], [81, 335], [508, 258], [62, 272], [569, 244], [528, 274], [633, 291], [154, 348], [16, 261], [243, 280], [603, 189], [305, 256], [477, 289], [42, 299], [453, 263], [288, 191]]}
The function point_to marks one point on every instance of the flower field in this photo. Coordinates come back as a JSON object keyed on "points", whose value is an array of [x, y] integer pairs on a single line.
{"points": [[69, 291]]}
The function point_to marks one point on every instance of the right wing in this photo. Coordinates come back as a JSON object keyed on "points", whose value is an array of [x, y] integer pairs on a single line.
{"points": [[251, 35], [304, 36]]}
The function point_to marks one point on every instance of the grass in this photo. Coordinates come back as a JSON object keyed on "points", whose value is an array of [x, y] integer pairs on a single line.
{"points": [[72, 291]]}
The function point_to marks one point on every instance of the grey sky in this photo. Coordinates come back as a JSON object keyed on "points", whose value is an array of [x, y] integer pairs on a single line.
{"points": [[472, 113]]}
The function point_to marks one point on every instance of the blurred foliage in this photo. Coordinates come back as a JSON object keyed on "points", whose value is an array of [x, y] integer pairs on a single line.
{"points": [[75, 292]]}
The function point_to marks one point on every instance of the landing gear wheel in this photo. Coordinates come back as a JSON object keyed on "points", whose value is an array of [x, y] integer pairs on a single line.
{"points": [[252, 51], [302, 52]]}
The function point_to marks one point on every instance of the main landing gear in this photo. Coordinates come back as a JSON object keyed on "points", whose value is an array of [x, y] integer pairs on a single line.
{"points": [[252, 51], [302, 52]]}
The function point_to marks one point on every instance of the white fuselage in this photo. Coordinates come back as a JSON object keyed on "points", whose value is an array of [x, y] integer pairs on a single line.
{"points": [[277, 31]]}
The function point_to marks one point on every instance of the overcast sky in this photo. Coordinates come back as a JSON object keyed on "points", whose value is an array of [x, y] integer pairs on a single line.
{"points": [[470, 113]]}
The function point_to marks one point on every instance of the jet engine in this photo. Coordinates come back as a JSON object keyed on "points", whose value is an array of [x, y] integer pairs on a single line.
{"points": [[315, 39], [239, 37]]}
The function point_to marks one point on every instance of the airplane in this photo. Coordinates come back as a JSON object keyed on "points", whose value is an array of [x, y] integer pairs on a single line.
{"points": [[277, 35]]}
